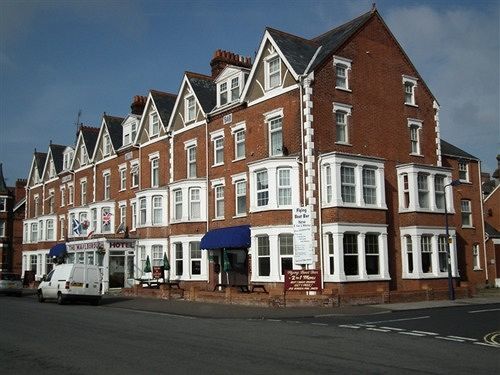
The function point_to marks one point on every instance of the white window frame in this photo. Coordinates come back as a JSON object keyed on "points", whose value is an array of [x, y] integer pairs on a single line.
{"points": [[3, 204], [154, 162], [238, 181], [156, 210], [106, 147], [275, 73], [154, 124], [134, 174], [284, 188], [466, 213], [346, 111], [191, 162], [410, 82], [476, 257], [217, 138], [415, 233], [239, 135], [342, 62], [415, 128], [106, 183], [83, 192], [123, 178], [194, 201], [218, 187], [190, 110], [463, 168], [335, 161]]}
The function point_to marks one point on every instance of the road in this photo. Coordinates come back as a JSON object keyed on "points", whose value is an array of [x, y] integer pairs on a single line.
{"points": [[83, 339]]}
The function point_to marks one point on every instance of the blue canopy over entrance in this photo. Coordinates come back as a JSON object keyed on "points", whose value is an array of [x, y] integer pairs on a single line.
{"points": [[57, 250], [227, 238]]}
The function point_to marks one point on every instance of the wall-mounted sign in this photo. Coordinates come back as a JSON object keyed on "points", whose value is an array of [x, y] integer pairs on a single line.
{"points": [[303, 252], [227, 119], [67, 178], [303, 280], [129, 155], [157, 272]]}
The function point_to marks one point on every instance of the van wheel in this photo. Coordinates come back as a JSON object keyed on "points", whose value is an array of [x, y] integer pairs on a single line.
{"points": [[60, 299], [40, 296]]}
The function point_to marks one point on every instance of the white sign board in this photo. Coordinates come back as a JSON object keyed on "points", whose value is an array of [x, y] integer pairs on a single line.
{"points": [[302, 236]]}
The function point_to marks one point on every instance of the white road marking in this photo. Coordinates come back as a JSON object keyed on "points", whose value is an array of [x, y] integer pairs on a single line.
{"points": [[378, 329], [349, 326], [319, 324], [411, 334], [366, 325], [398, 320], [481, 311], [274, 320], [393, 328], [426, 333], [463, 338], [448, 338]]}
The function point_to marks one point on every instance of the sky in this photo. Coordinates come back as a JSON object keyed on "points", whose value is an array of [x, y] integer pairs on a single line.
{"points": [[61, 57]]}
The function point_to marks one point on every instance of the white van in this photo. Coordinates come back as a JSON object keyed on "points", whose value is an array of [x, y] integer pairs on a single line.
{"points": [[71, 282]]}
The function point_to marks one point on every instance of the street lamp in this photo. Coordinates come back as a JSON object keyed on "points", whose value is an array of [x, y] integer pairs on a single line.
{"points": [[451, 291]]}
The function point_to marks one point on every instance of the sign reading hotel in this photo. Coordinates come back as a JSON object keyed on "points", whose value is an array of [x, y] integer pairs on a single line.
{"points": [[303, 280], [302, 236]]}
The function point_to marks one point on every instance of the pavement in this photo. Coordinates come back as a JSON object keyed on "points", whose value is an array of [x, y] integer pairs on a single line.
{"points": [[227, 311]]}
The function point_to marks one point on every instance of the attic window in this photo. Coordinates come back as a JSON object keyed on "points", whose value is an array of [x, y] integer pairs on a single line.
{"points": [[342, 68], [228, 90], [190, 108], [107, 145], [273, 72], [410, 85], [154, 126], [52, 170]]}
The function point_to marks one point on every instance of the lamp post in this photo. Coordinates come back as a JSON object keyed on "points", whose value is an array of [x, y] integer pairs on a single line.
{"points": [[451, 290]]}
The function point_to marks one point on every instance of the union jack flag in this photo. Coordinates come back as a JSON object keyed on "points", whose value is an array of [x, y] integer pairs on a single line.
{"points": [[106, 217]]}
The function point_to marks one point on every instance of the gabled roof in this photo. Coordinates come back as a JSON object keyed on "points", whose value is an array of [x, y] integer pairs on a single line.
{"points": [[205, 90], [39, 160], [115, 130], [164, 103], [491, 232], [449, 150], [89, 135], [3, 185], [57, 152], [298, 51]]}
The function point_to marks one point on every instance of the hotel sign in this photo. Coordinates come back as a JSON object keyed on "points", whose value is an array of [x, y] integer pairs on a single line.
{"points": [[303, 280]]}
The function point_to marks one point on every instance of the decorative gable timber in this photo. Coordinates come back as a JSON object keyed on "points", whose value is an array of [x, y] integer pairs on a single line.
{"points": [[36, 169], [256, 87], [87, 138], [161, 103], [202, 89], [111, 131]]}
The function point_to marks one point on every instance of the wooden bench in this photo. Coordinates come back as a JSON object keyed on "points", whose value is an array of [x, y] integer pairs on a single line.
{"points": [[154, 283]]}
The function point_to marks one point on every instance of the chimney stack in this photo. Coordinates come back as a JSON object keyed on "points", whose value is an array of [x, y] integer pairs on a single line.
{"points": [[138, 104], [222, 58]]}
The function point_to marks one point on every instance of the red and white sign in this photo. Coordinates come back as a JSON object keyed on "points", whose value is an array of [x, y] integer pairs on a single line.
{"points": [[303, 280]]}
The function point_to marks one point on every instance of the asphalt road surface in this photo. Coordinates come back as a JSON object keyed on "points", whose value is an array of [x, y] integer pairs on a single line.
{"points": [[82, 339]]}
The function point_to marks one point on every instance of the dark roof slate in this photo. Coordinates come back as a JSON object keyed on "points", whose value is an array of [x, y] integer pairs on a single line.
{"points": [[115, 129], [491, 231], [204, 89], [57, 152], [90, 135], [450, 150], [3, 185], [40, 158], [298, 51], [164, 102]]}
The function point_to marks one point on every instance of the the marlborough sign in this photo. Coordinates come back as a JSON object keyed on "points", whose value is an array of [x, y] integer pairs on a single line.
{"points": [[302, 236]]}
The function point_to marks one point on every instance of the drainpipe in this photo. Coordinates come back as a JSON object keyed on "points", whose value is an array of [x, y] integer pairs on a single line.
{"points": [[482, 222], [320, 225], [206, 169], [301, 81]]}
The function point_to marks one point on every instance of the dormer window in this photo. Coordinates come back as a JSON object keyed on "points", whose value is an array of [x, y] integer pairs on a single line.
{"points": [[129, 133], [190, 108], [52, 170], [228, 90], [83, 155], [273, 72], [223, 93], [67, 157], [235, 89], [410, 85], [106, 145], [154, 126]]}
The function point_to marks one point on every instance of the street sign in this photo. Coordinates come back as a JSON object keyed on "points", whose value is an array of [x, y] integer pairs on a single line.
{"points": [[302, 236]]}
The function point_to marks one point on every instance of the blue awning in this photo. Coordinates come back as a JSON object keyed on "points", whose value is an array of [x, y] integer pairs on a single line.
{"points": [[227, 238], [57, 250]]}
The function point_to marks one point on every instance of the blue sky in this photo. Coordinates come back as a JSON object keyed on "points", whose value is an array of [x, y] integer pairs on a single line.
{"points": [[59, 57]]}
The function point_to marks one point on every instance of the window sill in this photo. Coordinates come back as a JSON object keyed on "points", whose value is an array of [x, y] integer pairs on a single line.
{"points": [[239, 216], [411, 105], [468, 227], [218, 219], [268, 208], [239, 159], [465, 182], [343, 89], [477, 269], [417, 155], [343, 144], [217, 165]]}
